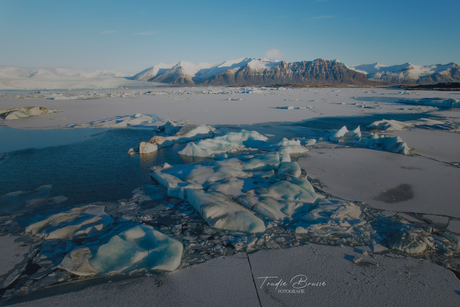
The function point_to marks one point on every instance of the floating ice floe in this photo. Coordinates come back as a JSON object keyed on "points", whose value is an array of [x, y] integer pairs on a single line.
{"points": [[78, 222], [372, 141], [14, 202], [389, 125], [126, 121], [170, 134], [435, 102], [138, 248], [234, 141], [17, 113], [228, 192], [394, 125]]}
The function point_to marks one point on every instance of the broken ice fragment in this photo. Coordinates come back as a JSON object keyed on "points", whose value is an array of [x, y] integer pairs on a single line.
{"points": [[140, 247], [77, 222], [221, 212], [145, 148]]}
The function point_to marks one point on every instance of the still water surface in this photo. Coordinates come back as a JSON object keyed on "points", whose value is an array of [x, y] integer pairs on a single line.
{"points": [[96, 169]]}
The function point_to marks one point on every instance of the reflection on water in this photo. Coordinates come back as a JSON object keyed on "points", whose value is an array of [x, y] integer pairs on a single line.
{"points": [[98, 169]]}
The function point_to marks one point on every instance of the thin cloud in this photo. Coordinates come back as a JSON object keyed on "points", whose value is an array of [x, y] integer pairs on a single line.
{"points": [[274, 54], [322, 17], [147, 33], [107, 32]]}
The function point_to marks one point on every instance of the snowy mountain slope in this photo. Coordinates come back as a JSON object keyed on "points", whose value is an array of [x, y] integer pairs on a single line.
{"points": [[12, 78], [410, 73], [57, 73], [251, 71]]}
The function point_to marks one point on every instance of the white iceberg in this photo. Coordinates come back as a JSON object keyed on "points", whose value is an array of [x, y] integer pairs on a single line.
{"points": [[372, 141], [234, 141], [174, 134], [140, 247], [229, 142]]}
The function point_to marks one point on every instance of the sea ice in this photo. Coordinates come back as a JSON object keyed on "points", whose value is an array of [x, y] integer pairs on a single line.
{"points": [[17, 113], [229, 142], [220, 189], [426, 123], [389, 125], [145, 148], [234, 141], [372, 141], [77, 222], [221, 212], [173, 134], [120, 122], [435, 102], [140, 247]]}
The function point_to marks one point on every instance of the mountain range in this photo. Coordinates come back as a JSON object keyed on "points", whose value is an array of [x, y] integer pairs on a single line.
{"points": [[409, 73], [251, 71]]}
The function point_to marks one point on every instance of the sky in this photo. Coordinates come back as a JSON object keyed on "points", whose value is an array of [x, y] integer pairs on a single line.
{"points": [[130, 36]]}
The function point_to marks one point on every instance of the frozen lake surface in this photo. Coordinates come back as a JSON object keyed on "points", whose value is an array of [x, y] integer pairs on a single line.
{"points": [[277, 170]]}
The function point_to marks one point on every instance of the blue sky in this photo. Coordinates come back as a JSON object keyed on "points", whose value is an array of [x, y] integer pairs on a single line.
{"points": [[133, 35]]}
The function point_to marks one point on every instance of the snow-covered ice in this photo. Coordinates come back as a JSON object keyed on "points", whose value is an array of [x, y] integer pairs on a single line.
{"points": [[17, 113], [372, 141], [140, 247], [261, 188]]}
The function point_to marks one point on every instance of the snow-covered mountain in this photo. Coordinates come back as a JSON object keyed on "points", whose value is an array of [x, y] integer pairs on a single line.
{"points": [[252, 71], [57, 73], [409, 73]]}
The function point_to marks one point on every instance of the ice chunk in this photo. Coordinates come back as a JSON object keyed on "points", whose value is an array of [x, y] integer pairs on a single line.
{"points": [[228, 142], [140, 247], [330, 217], [309, 142], [184, 134], [194, 150], [270, 207], [389, 125], [373, 141], [169, 128], [289, 169], [336, 136], [268, 161], [77, 222], [17, 113], [436, 102], [221, 212], [392, 144], [175, 134], [77, 262], [145, 148], [284, 190], [409, 242]]}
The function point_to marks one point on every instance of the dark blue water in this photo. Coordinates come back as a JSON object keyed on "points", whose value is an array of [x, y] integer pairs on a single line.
{"points": [[97, 169]]}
